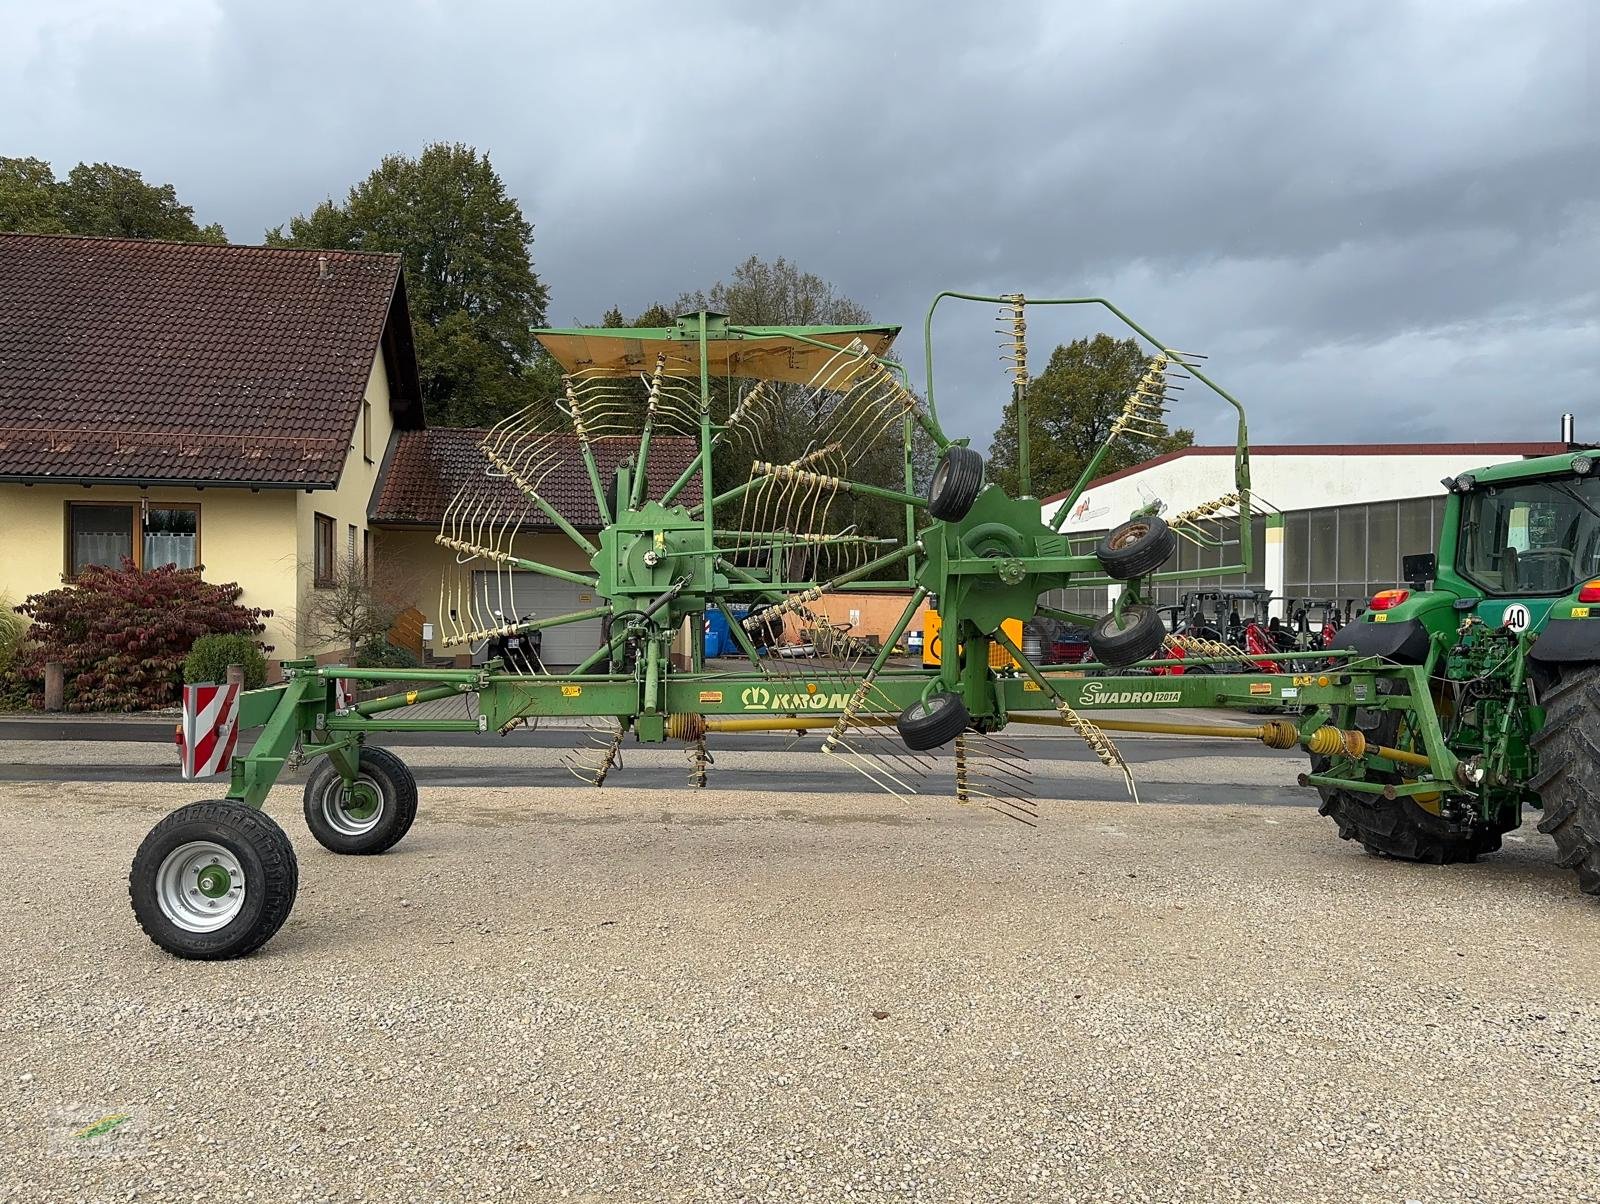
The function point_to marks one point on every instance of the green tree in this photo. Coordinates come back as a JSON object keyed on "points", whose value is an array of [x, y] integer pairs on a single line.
{"points": [[1071, 407], [469, 272], [97, 198], [30, 200], [778, 292], [759, 293]]}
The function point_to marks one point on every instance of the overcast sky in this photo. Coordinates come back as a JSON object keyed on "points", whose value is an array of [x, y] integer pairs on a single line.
{"points": [[1380, 219]]}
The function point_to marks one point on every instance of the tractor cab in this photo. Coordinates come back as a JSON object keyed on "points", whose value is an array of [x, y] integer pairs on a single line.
{"points": [[1519, 550]]}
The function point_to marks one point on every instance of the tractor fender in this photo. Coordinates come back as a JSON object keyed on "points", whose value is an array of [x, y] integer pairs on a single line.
{"points": [[1405, 642], [1567, 642]]}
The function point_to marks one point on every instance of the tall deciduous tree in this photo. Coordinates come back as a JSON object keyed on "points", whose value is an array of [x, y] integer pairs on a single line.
{"points": [[759, 292], [1071, 406], [470, 280], [95, 198]]}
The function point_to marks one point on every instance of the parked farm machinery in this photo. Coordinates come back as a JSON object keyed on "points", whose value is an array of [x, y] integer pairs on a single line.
{"points": [[1429, 725]]}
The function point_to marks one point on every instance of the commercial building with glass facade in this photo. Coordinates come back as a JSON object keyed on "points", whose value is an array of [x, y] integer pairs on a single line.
{"points": [[1350, 512]]}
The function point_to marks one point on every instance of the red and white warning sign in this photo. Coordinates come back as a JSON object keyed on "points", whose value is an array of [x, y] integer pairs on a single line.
{"points": [[210, 729]]}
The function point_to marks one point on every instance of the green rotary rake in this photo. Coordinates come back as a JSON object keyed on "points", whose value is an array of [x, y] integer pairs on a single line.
{"points": [[802, 481]]}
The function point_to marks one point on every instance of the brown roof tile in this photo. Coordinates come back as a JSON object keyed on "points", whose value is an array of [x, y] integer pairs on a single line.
{"points": [[136, 360], [424, 470]]}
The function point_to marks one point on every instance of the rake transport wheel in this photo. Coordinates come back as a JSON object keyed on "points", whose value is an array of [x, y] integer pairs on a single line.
{"points": [[213, 880], [1401, 828], [1137, 548], [933, 722], [1121, 640], [956, 483], [1568, 780], [369, 815]]}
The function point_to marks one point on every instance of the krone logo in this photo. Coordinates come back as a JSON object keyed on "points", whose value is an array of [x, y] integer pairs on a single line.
{"points": [[755, 696]]}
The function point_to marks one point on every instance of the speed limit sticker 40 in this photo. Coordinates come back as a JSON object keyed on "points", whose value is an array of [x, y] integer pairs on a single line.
{"points": [[1516, 617]]}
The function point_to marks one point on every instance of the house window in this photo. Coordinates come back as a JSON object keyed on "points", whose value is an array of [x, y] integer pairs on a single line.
{"points": [[105, 533], [323, 575], [366, 429], [366, 554]]}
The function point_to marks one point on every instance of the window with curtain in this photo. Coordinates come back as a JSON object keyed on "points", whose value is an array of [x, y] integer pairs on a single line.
{"points": [[149, 535], [171, 536], [98, 534], [323, 553]]}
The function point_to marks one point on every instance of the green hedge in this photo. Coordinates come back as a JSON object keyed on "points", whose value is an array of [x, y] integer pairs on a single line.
{"points": [[211, 655]]}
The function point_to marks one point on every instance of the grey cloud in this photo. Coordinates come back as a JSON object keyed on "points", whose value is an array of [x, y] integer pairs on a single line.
{"points": [[1379, 218]]}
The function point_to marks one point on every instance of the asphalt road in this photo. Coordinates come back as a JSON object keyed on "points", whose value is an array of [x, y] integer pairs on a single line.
{"points": [[1166, 770]]}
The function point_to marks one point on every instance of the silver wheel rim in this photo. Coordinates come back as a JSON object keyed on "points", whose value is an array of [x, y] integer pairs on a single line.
{"points": [[335, 796], [200, 886]]}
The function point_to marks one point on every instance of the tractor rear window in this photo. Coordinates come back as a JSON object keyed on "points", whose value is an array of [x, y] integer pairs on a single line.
{"points": [[1538, 537]]}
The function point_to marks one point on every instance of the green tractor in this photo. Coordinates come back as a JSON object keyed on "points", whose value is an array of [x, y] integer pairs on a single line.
{"points": [[1505, 622]]}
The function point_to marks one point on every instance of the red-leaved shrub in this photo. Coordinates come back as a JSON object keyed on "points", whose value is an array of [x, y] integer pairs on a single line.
{"points": [[121, 634]]}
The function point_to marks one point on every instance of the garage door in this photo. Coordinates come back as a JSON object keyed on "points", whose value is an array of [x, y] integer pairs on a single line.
{"points": [[533, 595]]}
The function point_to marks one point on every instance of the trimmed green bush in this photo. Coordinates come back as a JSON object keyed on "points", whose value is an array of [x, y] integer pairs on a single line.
{"points": [[211, 655]]}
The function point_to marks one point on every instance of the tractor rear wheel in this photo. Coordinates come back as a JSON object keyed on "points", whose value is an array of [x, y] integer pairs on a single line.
{"points": [[1568, 780], [1400, 827]]}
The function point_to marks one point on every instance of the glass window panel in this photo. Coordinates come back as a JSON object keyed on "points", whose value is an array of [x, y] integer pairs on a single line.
{"points": [[1383, 554], [1297, 548], [1416, 527], [1322, 541], [1258, 551], [100, 535], [1352, 543]]}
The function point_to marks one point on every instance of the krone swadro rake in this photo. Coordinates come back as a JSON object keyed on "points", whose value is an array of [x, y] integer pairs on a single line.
{"points": [[800, 481]]}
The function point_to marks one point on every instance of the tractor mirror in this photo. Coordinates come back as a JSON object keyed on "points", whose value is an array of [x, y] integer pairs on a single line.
{"points": [[1419, 570]]}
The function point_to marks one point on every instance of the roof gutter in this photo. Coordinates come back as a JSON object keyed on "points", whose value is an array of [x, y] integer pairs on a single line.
{"points": [[151, 482]]}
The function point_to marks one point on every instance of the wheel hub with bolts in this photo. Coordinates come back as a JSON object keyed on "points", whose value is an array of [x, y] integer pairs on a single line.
{"points": [[352, 808], [200, 886]]}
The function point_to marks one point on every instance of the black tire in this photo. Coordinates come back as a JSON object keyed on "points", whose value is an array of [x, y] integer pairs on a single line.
{"points": [[764, 632], [379, 814], [956, 484], [266, 880], [1136, 548], [934, 722], [1568, 780], [1136, 636], [1398, 827]]}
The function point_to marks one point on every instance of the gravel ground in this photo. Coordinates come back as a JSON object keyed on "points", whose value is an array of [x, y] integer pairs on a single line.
{"points": [[628, 996]]}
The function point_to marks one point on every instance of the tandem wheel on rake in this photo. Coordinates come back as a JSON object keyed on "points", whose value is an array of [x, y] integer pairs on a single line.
{"points": [[369, 815], [215, 880]]}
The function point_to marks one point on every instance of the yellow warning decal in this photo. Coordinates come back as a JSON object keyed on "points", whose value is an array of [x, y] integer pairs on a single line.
{"points": [[710, 695], [1580, 612], [411, 696], [1261, 687], [571, 691], [1380, 617], [1030, 687]]}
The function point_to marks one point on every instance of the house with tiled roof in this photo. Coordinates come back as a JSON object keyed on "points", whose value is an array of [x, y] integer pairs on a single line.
{"points": [[255, 411], [188, 404]]}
